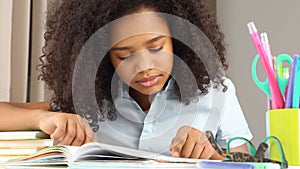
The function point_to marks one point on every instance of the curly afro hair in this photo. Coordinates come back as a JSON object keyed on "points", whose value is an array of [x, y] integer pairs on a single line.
{"points": [[70, 23]]}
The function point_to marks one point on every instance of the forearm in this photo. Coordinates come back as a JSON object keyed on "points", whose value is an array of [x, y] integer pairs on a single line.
{"points": [[20, 116], [67, 128], [32, 105]]}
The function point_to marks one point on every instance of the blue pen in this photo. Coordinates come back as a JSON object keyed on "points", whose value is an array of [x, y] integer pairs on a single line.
{"points": [[290, 87], [296, 90]]}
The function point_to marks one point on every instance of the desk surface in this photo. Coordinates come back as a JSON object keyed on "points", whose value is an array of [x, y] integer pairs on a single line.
{"points": [[109, 164]]}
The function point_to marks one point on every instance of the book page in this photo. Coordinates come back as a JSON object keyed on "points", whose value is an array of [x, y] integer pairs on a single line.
{"points": [[49, 155], [93, 152], [21, 135], [98, 151]]}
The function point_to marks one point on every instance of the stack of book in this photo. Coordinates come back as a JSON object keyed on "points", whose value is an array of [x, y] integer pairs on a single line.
{"points": [[15, 144]]}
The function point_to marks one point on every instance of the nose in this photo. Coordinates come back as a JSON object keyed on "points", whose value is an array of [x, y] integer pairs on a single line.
{"points": [[143, 61]]}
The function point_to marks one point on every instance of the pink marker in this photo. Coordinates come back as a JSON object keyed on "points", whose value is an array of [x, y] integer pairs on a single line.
{"points": [[276, 97], [265, 41]]}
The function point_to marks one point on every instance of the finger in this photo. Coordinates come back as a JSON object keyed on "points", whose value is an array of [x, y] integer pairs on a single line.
{"points": [[188, 147], [89, 134], [198, 148], [88, 130], [208, 151], [179, 140], [60, 130], [176, 146], [217, 156], [79, 137], [88, 140], [70, 134]]}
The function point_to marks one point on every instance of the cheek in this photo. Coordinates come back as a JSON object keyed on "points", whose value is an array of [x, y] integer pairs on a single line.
{"points": [[124, 70], [165, 62], [168, 58]]}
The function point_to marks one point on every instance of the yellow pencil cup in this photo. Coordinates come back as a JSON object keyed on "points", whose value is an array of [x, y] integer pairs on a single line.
{"points": [[284, 124]]}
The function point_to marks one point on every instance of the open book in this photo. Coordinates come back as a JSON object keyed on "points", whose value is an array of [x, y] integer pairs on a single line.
{"points": [[65, 155]]}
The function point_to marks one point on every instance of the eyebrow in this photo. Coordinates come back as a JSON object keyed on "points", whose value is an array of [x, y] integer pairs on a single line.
{"points": [[146, 43]]}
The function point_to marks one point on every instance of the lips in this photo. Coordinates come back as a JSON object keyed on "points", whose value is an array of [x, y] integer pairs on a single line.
{"points": [[150, 81]]}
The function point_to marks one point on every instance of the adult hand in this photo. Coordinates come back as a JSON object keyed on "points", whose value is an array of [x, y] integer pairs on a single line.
{"points": [[66, 128], [192, 143]]}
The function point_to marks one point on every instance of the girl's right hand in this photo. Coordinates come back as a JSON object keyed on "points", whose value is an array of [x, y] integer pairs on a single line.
{"points": [[66, 128], [192, 143]]}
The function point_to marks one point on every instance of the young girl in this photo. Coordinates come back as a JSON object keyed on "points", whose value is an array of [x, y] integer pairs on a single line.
{"points": [[153, 102]]}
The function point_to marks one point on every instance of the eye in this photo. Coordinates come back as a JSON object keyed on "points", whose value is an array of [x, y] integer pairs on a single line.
{"points": [[154, 50], [125, 57]]}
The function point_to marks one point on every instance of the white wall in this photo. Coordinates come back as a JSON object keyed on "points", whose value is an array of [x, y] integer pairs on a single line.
{"points": [[38, 91], [281, 20], [19, 50], [14, 33], [5, 48], [21, 32]]}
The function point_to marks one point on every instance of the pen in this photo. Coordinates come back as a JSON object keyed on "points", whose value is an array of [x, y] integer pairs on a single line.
{"points": [[290, 87], [296, 90], [276, 97], [274, 66], [285, 75], [275, 73], [266, 45]]}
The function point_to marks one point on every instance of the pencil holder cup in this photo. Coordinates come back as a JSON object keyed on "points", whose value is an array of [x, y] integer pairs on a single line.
{"points": [[284, 124]]}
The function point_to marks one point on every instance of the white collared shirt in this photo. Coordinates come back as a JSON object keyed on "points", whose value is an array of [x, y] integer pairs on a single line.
{"points": [[154, 130]]}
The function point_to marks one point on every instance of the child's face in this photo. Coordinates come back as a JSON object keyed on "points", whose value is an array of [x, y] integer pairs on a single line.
{"points": [[143, 61]]}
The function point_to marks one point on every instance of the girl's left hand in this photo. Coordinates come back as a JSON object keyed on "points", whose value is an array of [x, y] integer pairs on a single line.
{"points": [[192, 143]]}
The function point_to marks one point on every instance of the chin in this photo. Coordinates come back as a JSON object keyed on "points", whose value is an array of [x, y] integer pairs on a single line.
{"points": [[150, 91]]}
